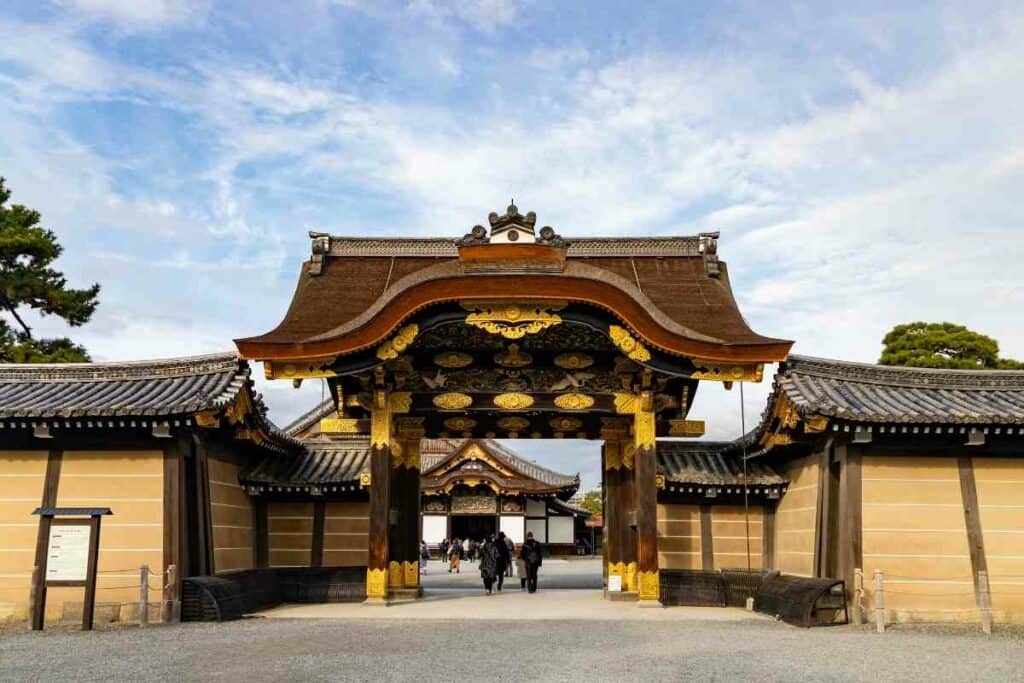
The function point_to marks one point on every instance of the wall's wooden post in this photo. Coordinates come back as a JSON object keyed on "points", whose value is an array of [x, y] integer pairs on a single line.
{"points": [[316, 549], [858, 596], [707, 540], [380, 497], [985, 602], [646, 500], [261, 538], [850, 525], [33, 594], [172, 603], [54, 460], [144, 596], [879, 602], [768, 535], [405, 467], [972, 522]]}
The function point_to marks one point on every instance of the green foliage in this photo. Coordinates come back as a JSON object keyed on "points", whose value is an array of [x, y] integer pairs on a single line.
{"points": [[27, 251], [592, 502], [942, 345]]}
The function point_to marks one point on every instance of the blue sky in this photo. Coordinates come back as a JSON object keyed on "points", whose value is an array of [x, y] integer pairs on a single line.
{"points": [[864, 164]]}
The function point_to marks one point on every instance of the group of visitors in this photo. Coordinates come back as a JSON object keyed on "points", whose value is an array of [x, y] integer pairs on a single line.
{"points": [[497, 555]]}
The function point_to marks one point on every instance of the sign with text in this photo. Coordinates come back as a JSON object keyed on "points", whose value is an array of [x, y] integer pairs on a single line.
{"points": [[615, 583], [67, 555]]}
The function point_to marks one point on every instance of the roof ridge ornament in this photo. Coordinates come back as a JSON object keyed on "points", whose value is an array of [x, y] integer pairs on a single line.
{"points": [[512, 227], [709, 249]]}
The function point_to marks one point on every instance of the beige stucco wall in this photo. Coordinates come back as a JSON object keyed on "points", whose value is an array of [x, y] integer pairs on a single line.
{"points": [[914, 531], [130, 483], [21, 489], [1000, 482], [346, 534], [679, 536], [231, 513], [290, 534], [795, 518], [729, 536]]}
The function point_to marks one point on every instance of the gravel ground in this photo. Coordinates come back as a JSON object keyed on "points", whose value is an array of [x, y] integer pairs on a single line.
{"points": [[358, 650]]}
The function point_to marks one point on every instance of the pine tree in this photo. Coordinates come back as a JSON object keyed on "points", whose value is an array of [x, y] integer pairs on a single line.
{"points": [[27, 251], [942, 345]]}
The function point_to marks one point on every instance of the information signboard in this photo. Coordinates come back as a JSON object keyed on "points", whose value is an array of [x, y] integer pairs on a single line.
{"points": [[67, 555], [615, 583]]}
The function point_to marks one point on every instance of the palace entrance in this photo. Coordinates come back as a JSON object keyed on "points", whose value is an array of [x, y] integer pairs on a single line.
{"points": [[473, 527], [512, 333]]}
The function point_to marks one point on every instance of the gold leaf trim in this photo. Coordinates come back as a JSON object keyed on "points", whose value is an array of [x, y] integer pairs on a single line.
{"points": [[412, 574], [633, 349], [574, 360], [513, 424], [453, 401], [339, 425], [459, 424], [649, 585], [396, 575], [565, 424], [513, 401], [728, 373], [574, 401]]}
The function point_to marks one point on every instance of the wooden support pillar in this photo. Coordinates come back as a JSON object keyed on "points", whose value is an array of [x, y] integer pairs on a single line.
{"points": [[646, 502], [619, 545], [768, 536], [707, 539], [49, 499], [380, 499], [972, 523], [405, 500], [850, 546], [316, 554]]}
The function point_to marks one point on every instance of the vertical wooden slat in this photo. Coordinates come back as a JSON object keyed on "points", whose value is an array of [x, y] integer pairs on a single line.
{"points": [[172, 505], [51, 483], [850, 527], [260, 545], [821, 507], [707, 543]]}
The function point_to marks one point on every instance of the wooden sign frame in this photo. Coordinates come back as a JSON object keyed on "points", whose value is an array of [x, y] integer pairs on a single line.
{"points": [[47, 521]]}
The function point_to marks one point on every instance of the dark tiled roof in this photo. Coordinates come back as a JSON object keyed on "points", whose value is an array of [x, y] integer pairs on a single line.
{"points": [[310, 418], [323, 462], [710, 463], [861, 392], [512, 460], [441, 247], [139, 388]]}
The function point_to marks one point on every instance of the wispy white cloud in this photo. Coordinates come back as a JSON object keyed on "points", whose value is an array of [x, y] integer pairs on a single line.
{"points": [[140, 14]]}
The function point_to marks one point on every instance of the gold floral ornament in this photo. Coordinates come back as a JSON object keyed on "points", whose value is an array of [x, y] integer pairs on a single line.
{"points": [[574, 401], [376, 583], [453, 359], [459, 424], [453, 401], [565, 424], [574, 361], [649, 588], [513, 401], [513, 357], [513, 424], [399, 343], [728, 373], [633, 349], [513, 320]]}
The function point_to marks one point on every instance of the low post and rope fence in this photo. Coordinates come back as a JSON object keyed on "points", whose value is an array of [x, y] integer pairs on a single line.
{"points": [[144, 596], [858, 596]]}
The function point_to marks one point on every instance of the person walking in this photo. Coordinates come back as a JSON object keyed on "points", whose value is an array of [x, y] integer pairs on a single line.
{"points": [[511, 545], [455, 556], [504, 558], [424, 556], [443, 550], [531, 553], [488, 554]]}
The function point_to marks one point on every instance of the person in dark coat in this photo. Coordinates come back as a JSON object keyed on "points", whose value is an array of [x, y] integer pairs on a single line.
{"points": [[531, 553], [488, 554], [504, 557]]}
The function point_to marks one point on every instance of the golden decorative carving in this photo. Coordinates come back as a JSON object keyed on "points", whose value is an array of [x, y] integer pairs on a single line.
{"points": [[626, 404], [659, 481], [376, 583], [459, 424], [305, 368], [648, 585], [633, 349], [513, 357], [207, 419], [453, 359], [400, 401], [399, 343], [365, 479], [574, 401], [412, 574], [453, 401], [565, 424], [612, 452], [397, 455], [629, 577], [693, 428], [644, 425], [628, 455], [815, 424], [339, 425], [644, 434], [513, 424], [728, 373], [513, 401], [380, 426], [776, 439], [396, 575], [513, 320], [574, 360]]}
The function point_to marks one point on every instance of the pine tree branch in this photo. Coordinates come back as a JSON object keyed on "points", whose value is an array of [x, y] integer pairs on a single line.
{"points": [[14, 311]]}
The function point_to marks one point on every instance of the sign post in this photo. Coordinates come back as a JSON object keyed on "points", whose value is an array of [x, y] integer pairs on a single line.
{"points": [[72, 537]]}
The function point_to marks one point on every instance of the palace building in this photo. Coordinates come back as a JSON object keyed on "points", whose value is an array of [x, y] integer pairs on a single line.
{"points": [[432, 351]]}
